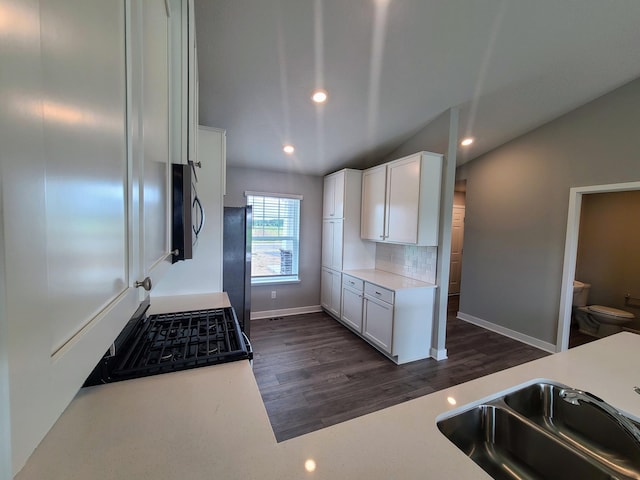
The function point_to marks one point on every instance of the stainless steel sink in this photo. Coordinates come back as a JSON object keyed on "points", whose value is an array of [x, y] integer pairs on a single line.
{"points": [[535, 433]]}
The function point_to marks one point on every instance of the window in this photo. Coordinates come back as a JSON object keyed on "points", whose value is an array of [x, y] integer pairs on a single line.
{"points": [[275, 236]]}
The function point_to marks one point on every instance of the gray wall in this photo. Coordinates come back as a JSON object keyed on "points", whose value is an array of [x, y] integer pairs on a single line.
{"points": [[307, 292], [609, 248], [516, 209]]}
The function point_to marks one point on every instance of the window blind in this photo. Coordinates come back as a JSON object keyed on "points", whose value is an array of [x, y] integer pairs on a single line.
{"points": [[275, 236]]}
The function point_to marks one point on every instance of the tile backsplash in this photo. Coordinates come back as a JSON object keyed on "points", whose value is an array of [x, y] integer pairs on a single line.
{"points": [[407, 260]]}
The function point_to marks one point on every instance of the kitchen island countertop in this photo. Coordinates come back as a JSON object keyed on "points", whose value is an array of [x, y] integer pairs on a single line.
{"points": [[210, 423]]}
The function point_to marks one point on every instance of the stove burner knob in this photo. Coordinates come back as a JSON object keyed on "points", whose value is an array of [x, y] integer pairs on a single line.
{"points": [[146, 284]]}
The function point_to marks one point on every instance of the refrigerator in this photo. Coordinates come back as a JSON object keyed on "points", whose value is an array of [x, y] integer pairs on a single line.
{"points": [[236, 262]]}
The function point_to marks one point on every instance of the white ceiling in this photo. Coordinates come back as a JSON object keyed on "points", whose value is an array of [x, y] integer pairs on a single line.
{"points": [[392, 66]]}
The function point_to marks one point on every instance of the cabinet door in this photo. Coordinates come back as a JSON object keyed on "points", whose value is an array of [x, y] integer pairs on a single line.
{"points": [[332, 244], [326, 282], [327, 243], [153, 157], [403, 196], [328, 204], [378, 323], [336, 294], [333, 199], [352, 308], [330, 286], [373, 204]]}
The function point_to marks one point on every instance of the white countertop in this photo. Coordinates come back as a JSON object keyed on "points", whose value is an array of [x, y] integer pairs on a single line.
{"points": [[210, 423], [388, 280]]}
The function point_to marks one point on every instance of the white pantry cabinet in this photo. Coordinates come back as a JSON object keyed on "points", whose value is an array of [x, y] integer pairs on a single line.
{"points": [[401, 200], [342, 247], [330, 285], [84, 194]]}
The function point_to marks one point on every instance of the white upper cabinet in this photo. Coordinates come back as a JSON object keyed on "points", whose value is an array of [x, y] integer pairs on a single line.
{"points": [[374, 181], [151, 149], [334, 193], [184, 82], [401, 200]]}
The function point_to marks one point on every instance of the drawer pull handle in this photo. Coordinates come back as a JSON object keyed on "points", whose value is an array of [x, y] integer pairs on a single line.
{"points": [[378, 293]]}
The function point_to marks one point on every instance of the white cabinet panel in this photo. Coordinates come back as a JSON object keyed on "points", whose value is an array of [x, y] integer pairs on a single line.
{"points": [[333, 197], [332, 244], [154, 154], [86, 163], [373, 203], [403, 197], [378, 323], [352, 307], [330, 286]]}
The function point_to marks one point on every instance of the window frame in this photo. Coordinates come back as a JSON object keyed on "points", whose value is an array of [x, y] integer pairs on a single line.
{"points": [[280, 278]]}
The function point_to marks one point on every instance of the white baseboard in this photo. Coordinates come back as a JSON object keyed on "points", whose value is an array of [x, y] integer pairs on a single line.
{"points": [[285, 312], [438, 354], [521, 337]]}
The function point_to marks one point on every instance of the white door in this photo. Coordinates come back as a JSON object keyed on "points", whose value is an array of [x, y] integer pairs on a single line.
{"points": [[457, 235], [152, 160], [352, 308], [378, 323], [327, 243], [329, 195], [373, 203], [403, 197], [336, 293], [326, 283]]}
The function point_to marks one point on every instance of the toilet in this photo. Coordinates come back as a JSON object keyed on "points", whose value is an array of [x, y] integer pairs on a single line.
{"points": [[596, 320]]}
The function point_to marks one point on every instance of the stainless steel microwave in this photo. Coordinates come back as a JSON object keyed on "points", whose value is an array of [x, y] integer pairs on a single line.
{"points": [[187, 212]]}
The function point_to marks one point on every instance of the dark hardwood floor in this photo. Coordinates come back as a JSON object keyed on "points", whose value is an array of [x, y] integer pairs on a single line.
{"points": [[313, 372]]}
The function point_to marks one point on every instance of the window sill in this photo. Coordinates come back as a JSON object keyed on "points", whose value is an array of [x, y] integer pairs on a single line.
{"points": [[256, 282]]}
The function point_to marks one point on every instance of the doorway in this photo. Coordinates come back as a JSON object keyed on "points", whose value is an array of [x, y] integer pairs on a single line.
{"points": [[457, 241], [570, 253]]}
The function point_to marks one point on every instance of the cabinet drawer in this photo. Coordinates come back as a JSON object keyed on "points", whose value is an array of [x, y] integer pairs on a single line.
{"points": [[352, 282], [378, 292]]}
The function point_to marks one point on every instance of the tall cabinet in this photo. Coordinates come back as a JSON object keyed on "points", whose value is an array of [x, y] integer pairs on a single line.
{"points": [[342, 247]]}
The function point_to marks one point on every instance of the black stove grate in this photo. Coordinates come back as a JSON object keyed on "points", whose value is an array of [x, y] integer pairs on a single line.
{"points": [[178, 341]]}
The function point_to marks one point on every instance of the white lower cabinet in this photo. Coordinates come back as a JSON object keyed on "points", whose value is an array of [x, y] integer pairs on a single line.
{"points": [[352, 305], [397, 320], [378, 323], [330, 287]]}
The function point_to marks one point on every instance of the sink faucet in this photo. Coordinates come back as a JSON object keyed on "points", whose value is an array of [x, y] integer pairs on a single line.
{"points": [[574, 397]]}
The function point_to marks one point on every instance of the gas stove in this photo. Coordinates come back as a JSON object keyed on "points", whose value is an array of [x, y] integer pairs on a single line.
{"points": [[161, 343]]}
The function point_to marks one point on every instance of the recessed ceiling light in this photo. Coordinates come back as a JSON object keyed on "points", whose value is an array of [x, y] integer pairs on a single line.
{"points": [[319, 96], [288, 149], [466, 142]]}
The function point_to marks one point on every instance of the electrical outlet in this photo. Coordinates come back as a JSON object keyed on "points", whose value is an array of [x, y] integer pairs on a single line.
{"points": [[273, 294]]}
